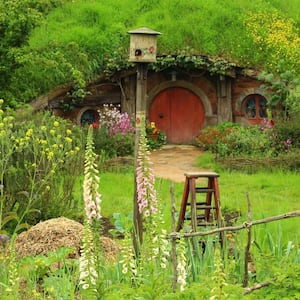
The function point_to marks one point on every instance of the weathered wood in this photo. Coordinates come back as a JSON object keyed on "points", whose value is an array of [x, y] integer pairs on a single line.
{"points": [[247, 248], [248, 163], [250, 289], [287, 215], [174, 256]]}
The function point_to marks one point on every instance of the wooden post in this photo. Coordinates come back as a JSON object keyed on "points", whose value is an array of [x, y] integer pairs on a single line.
{"points": [[174, 254], [140, 117], [142, 51]]}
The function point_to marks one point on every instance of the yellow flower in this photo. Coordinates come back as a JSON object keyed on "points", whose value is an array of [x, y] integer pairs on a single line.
{"points": [[52, 131], [1, 112], [1, 101], [56, 123], [68, 132], [68, 140], [29, 132], [50, 155], [71, 152], [48, 188], [43, 128], [43, 142]]}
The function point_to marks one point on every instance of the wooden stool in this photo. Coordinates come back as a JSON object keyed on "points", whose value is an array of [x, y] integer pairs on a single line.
{"points": [[205, 213]]}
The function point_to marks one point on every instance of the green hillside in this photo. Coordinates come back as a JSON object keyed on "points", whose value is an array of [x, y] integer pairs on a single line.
{"points": [[74, 41]]}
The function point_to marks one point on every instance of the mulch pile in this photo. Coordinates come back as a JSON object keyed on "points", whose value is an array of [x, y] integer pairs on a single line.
{"points": [[56, 233]]}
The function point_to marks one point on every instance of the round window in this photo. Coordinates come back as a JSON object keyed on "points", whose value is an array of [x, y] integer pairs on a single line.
{"points": [[255, 107], [89, 117]]}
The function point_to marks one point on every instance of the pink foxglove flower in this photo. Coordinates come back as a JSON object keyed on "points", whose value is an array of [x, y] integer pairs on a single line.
{"points": [[145, 180], [91, 196]]}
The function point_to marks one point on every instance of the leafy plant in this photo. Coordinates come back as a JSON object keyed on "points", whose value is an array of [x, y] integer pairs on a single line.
{"points": [[36, 159], [115, 134], [212, 35], [155, 137]]}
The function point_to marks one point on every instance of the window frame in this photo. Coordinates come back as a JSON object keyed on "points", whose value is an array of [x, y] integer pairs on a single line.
{"points": [[258, 112]]}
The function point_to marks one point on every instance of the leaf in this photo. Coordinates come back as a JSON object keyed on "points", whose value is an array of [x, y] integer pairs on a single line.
{"points": [[25, 193], [289, 248], [269, 77], [4, 232], [9, 217], [22, 226]]}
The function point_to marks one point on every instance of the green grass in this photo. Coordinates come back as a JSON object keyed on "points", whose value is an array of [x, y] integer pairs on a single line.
{"points": [[274, 246], [270, 193]]}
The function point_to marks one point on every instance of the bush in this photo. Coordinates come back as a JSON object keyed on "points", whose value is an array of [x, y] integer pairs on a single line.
{"points": [[288, 133], [155, 137], [266, 140], [208, 138], [115, 134], [39, 158]]}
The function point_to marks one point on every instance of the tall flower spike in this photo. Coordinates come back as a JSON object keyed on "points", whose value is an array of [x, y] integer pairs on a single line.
{"points": [[91, 196], [181, 264], [88, 275], [145, 180]]}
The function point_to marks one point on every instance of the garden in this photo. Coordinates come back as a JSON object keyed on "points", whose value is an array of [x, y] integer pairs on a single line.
{"points": [[69, 193], [67, 228]]}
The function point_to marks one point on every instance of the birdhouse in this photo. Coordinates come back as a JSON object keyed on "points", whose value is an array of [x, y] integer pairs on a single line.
{"points": [[143, 45]]}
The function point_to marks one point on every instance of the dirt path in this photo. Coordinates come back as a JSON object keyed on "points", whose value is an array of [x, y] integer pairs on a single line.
{"points": [[172, 161]]}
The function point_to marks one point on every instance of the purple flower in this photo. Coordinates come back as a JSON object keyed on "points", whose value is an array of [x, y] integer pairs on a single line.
{"points": [[288, 142]]}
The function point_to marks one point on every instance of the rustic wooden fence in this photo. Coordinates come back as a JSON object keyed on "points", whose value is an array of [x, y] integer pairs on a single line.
{"points": [[246, 225]]}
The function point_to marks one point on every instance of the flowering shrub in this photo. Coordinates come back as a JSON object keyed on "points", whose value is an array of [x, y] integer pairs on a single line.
{"points": [[208, 138], [155, 137], [115, 121], [276, 36], [232, 140], [115, 134], [39, 159]]}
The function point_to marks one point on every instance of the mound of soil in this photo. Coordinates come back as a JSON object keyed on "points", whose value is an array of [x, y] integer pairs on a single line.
{"points": [[56, 233]]}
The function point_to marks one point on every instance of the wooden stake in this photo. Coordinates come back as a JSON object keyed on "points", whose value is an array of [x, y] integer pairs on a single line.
{"points": [[174, 256], [258, 286], [247, 248]]}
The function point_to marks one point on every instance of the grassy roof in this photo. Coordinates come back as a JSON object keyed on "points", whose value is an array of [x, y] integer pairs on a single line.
{"points": [[81, 39]]}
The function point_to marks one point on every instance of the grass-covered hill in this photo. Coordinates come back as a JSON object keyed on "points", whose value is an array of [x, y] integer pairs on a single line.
{"points": [[46, 43]]}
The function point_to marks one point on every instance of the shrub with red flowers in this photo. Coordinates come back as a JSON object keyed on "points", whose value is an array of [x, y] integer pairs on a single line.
{"points": [[208, 138], [233, 140]]}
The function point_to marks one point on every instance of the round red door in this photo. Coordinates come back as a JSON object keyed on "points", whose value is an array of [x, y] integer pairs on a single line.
{"points": [[179, 113]]}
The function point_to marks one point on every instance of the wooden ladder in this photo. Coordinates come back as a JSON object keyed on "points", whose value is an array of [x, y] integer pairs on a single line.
{"points": [[202, 213]]}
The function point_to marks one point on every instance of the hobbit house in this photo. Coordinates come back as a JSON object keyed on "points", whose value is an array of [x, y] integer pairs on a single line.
{"points": [[180, 100]]}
